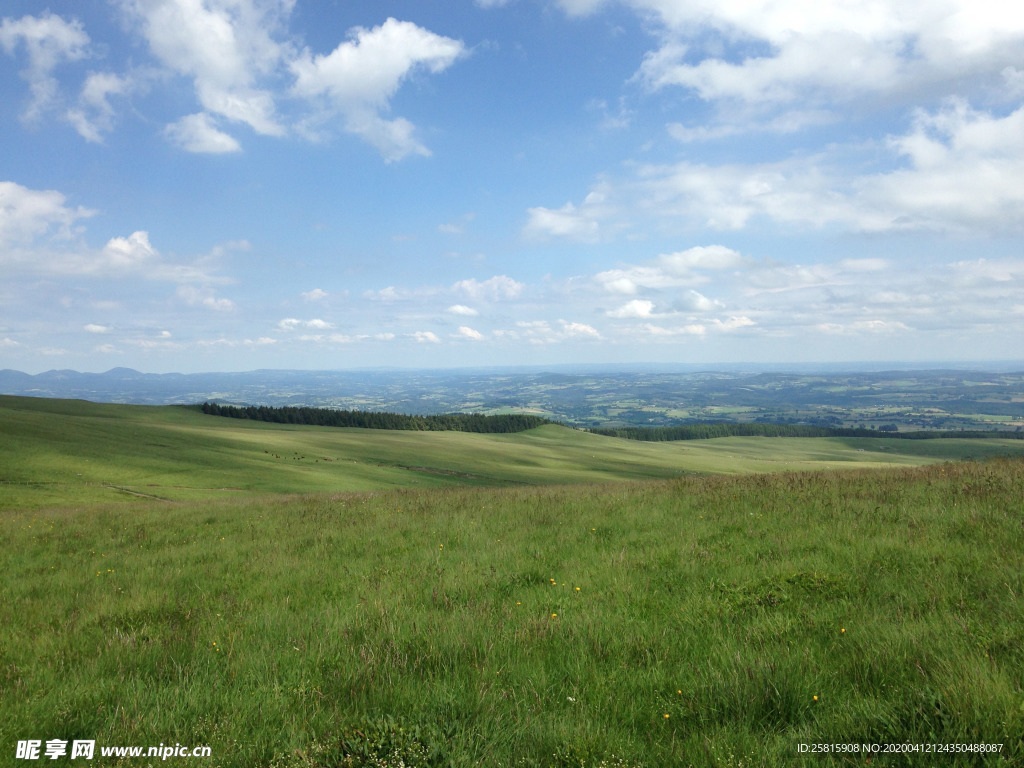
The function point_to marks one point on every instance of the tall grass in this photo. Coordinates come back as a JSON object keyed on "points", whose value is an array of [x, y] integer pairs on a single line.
{"points": [[665, 623]]}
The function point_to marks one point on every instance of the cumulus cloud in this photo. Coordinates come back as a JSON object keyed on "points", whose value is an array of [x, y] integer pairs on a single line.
{"points": [[462, 309], [94, 114], [864, 326], [315, 295], [767, 52], [578, 331], [784, 67], [224, 46], [965, 171], [26, 214], [542, 332], [692, 301], [633, 309], [493, 289], [566, 221], [426, 337], [669, 270], [244, 65], [956, 168], [48, 41], [293, 323], [358, 79], [196, 295], [583, 223], [465, 332], [694, 329], [127, 253], [95, 328], [199, 133]]}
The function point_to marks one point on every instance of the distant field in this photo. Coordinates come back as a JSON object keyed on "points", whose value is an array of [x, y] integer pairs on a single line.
{"points": [[55, 452]]}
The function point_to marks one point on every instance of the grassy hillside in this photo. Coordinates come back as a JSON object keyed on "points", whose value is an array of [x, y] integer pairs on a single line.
{"points": [[301, 597], [704, 621], [55, 452]]}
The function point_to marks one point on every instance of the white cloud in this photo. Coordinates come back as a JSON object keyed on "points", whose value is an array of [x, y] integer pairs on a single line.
{"points": [[566, 221], [94, 115], [727, 197], [965, 171], [988, 271], [194, 295], [578, 331], [94, 328], [198, 133], [671, 270], [541, 332], [358, 79], [693, 329], [49, 41], [692, 301], [427, 337], [493, 289], [588, 223], [732, 323], [462, 309], [128, 253], [293, 323], [634, 308], [465, 332], [384, 294], [243, 63], [315, 295], [713, 257], [961, 171], [26, 214], [829, 50], [224, 46], [8, 343], [864, 326]]}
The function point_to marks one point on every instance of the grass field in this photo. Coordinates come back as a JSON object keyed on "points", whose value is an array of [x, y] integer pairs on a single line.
{"points": [[692, 621], [67, 451]]}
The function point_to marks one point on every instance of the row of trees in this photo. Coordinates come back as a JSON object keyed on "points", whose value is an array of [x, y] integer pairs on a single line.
{"points": [[723, 429], [327, 417]]}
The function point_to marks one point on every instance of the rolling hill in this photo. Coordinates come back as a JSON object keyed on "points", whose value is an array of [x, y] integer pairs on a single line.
{"points": [[71, 451]]}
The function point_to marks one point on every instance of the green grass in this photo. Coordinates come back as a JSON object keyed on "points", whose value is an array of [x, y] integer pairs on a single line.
{"points": [[541, 625], [529, 626], [61, 452]]}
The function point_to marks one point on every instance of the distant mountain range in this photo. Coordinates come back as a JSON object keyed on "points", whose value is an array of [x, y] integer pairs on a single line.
{"points": [[125, 385]]}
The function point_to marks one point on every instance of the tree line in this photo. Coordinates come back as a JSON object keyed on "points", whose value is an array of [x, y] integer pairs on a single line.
{"points": [[710, 430], [328, 417]]}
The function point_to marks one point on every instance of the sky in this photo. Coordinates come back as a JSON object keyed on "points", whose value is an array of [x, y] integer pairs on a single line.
{"points": [[229, 185]]}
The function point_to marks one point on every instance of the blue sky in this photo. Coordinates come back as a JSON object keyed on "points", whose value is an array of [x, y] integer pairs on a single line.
{"points": [[190, 185]]}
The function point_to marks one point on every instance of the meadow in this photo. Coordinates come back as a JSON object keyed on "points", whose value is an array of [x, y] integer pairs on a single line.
{"points": [[622, 621], [73, 451]]}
